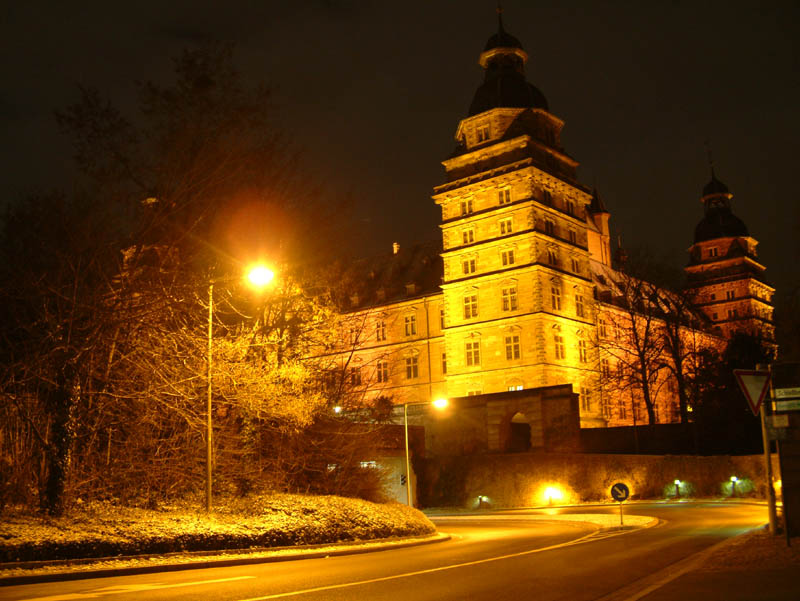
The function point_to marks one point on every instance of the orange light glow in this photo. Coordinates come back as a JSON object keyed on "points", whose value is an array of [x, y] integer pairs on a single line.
{"points": [[440, 403], [260, 276]]}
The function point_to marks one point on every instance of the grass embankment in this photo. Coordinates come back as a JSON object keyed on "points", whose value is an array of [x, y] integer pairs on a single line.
{"points": [[105, 530]]}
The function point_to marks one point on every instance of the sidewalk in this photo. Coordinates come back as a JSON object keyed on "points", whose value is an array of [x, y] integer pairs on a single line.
{"points": [[753, 567]]}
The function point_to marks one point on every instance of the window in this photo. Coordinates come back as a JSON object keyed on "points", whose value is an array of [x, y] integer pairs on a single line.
{"points": [[468, 236], [505, 226], [715, 316], [382, 372], [510, 298], [468, 266], [412, 368], [470, 306], [380, 331], [512, 347], [580, 311], [507, 257], [555, 297], [605, 370], [712, 296], [623, 410], [444, 363], [730, 295], [473, 393], [582, 354], [473, 353], [712, 252], [575, 266], [570, 207], [513, 387], [504, 196], [733, 314], [573, 236], [605, 404], [355, 376], [549, 227], [559, 346], [603, 328], [466, 206], [368, 465], [441, 318], [552, 257], [353, 335], [411, 325], [586, 399], [482, 132], [547, 197]]}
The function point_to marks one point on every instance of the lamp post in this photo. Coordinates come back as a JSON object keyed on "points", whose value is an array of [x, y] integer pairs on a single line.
{"points": [[438, 404], [259, 277]]}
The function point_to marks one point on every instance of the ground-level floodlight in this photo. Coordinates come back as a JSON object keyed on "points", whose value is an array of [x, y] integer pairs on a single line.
{"points": [[734, 480]]}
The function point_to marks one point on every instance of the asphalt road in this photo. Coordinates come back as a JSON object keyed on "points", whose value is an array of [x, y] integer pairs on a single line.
{"points": [[497, 557]]}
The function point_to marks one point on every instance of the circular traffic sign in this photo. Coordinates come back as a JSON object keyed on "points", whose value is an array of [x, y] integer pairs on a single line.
{"points": [[620, 492]]}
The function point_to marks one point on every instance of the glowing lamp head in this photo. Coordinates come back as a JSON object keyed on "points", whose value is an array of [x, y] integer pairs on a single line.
{"points": [[677, 482], [440, 403], [260, 276], [553, 493], [337, 409], [734, 479]]}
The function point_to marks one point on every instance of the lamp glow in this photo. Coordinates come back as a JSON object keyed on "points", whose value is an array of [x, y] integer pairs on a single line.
{"points": [[440, 403], [260, 276]]}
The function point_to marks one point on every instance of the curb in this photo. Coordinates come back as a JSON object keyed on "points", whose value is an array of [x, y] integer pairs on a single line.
{"points": [[313, 552]]}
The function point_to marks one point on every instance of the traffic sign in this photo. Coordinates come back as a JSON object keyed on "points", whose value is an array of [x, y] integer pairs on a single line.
{"points": [[755, 385], [620, 492]]}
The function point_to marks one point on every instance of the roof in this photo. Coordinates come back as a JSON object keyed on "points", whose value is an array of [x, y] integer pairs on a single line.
{"points": [[719, 222]]}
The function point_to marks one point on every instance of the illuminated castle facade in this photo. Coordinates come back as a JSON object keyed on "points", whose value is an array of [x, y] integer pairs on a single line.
{"points": [[521, 291]]}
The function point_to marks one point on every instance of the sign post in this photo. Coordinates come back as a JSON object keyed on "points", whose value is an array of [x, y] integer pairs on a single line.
{"points": [[620, 492], [786, 396], [755, 386]]}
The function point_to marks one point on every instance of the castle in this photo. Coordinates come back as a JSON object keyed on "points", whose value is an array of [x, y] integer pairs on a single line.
{"points": [[522, 292]]}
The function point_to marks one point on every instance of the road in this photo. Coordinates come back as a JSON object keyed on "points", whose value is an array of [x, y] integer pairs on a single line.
{"points": [[497, 557]]}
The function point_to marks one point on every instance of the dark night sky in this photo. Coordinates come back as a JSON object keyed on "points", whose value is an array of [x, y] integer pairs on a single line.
{"points": [[374, 91]]}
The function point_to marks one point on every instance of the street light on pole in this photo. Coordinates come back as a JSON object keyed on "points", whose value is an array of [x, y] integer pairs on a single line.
{"points": [[438, 404], [259, 276]]}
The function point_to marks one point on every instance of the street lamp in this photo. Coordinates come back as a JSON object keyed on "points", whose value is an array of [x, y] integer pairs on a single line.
{"points": [[259, 276], [438, 404]]}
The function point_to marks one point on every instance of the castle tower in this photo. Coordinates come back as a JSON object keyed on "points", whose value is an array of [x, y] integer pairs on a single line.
{"points": [[724, 274], [518, 230]]}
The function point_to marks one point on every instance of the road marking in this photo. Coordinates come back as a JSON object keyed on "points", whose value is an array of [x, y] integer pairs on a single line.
{"points": [[130, 588], [419, 572]]}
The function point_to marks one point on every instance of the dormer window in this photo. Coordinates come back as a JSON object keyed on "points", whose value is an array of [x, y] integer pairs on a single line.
{"points": [[482, 132]]}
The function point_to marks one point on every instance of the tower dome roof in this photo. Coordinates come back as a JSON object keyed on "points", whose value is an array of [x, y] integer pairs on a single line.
{"points": [[715, 186], [719, 222], [504, 84]]}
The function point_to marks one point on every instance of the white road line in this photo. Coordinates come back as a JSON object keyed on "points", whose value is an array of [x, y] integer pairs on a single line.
{"points": [[130, 588], [417, 573]]}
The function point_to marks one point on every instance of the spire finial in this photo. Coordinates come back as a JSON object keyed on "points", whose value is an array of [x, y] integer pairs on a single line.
{"points": [[499, 15], [710, 159]]}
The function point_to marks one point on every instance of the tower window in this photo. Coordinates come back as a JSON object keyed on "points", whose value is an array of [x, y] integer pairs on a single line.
{"points": [[383, 371], [582, 353], [605, 370], [467, 206], [473, 350], [505, 226], [573, 236], [468, 236], [555, 297], [552, 257], [570, 207], [507, 257], [733, 314], [482, 132], [441, 318], [558, 346], [380, 331], [468, 266], [579, 308], [730, 295], [549, 227], [470, 306], [512, 347], [712, 252], [412, 368], [355, 376], [575, 266], [504, 196], [510, 298], [547, 197], [603, 328], [444, 363]]}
